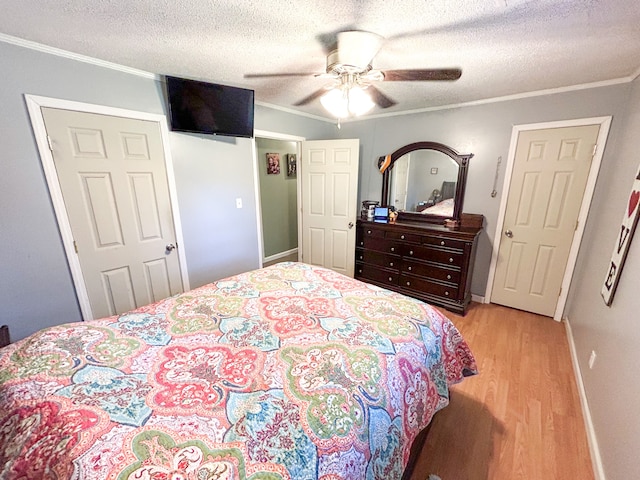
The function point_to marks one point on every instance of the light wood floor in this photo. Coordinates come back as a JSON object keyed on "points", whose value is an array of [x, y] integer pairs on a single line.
{"points": [[290, 258], [520, 418]]}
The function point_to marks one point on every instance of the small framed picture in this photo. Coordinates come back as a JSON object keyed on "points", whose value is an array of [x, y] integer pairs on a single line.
{"points": [[273, 163], [291, 165]]}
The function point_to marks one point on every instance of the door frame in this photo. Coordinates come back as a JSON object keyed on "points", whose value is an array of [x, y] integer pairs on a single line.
{"points": [[605, 124], [256, 181], [35, 104]]}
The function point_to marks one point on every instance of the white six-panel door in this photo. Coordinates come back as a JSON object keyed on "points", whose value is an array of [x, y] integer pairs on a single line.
{"points": [[113, 180], [400, 182], [329, 203], [550, 173]]}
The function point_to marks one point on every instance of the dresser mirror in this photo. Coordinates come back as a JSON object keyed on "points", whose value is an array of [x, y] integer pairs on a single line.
{"points": [[425, 181]]}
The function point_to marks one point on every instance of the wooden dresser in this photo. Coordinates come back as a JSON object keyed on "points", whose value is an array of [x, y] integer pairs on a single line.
{"points": [[426, 261]]}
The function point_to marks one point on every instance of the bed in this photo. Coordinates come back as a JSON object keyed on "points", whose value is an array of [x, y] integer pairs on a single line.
{"points": [[290, 371], [443, 208]]}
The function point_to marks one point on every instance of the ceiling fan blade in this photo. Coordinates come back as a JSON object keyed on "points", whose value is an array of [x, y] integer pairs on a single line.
{"points": [[424, 74], [310, 98], [273, 75], [380, 98]]}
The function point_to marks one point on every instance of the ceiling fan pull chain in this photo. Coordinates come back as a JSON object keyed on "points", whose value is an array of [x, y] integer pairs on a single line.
{"points": [[494, 192]]}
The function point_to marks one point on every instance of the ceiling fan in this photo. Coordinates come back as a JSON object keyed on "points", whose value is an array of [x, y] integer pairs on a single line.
{"points": [[349, 68]]}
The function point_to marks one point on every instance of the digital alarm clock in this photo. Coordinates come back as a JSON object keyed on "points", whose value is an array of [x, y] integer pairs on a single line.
{"points": [[381, 214]]}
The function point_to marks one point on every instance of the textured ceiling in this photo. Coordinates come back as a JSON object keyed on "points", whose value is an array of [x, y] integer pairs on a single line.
{"points": [[504, 47]]}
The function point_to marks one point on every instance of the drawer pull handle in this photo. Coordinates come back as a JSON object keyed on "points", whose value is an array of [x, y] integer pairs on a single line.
{"points": [[442, 243], [409, 268], [446, 294], [391, 264], [390, 279], [401, 237], [360, 257], [410, 252], [451, 260], [448, 277], [393, 249], [361, 243], [360, 271], [369, 232], [408, 284]]}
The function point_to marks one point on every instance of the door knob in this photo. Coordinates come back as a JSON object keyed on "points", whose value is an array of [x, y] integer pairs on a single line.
{"points": [[508, 233], [170, 247], [350, 224]]}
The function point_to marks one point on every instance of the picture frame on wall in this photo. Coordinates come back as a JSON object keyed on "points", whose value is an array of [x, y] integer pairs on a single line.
{"points": [[273, 163], [291, 165], [624, 235]]}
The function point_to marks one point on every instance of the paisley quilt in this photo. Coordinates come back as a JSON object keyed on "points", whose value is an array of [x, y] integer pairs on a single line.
{"points": [[288, 372]]}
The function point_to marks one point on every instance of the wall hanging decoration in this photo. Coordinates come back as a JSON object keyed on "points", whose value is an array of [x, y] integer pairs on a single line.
{"points": [[623, 240], [273, 163], [291, 165]]}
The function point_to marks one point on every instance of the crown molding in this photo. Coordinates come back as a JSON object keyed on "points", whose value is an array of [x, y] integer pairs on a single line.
{"points": [[517, 96], [141, 73], [295, 112], [75, 56]]}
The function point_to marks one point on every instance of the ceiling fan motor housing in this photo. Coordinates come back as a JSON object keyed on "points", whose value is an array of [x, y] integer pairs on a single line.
{"points": [[337, 65]]}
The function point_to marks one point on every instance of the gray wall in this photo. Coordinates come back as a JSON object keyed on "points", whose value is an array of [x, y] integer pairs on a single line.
{"points": [[278, 198], [612, 332], [485, 131], [36, 289]]}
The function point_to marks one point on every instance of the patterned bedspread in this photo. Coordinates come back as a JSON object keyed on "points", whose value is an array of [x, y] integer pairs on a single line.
{"points": [[290, 371]]}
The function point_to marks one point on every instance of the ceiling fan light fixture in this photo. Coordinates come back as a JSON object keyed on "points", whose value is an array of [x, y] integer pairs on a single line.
{"points": [[347, 101], [335, 103], [359, 101]]}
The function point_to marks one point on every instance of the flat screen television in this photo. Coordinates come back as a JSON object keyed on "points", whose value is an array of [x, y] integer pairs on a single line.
{"points": [[201, 107]]}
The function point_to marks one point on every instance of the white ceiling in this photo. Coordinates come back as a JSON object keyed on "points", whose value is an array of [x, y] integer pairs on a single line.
{"points": [[504, 47]]}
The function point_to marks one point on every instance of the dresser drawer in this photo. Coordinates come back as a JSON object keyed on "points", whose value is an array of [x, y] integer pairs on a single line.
{"points": [[369, 232], [381, 245], [378, 258], [371, 272], [435, 255], [443, 242], [430, 271], [425, 286], [405, 237]]}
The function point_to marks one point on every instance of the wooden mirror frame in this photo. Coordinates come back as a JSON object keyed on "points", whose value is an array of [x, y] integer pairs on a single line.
{"points": [[461, 160]]}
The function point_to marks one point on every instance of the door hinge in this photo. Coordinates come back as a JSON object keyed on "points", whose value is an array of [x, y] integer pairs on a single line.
{"points": [[560, 292], [49, 143], [595, 147], [576, 227], [75, 246]]}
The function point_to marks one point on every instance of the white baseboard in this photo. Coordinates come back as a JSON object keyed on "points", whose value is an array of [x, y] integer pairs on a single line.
{"points": [[596, 459], [280, 255], [477, 298]]}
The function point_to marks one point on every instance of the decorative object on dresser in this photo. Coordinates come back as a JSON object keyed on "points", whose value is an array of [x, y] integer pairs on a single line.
{"points": [[429, 252]]}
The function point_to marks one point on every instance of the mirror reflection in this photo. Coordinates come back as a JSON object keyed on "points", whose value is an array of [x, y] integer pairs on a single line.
{"points": [[424, 181]]}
